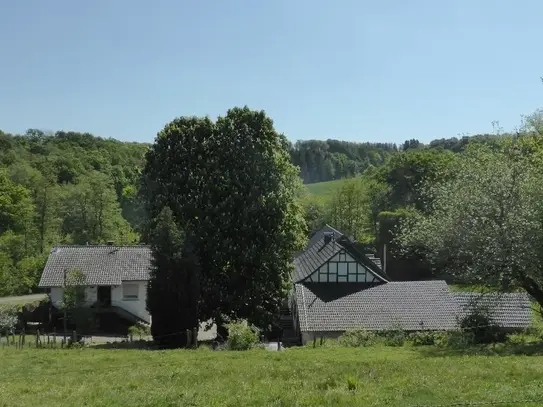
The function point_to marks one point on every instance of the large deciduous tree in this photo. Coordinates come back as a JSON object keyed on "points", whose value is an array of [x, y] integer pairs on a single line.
{"points": [[15, 206], [485, 224], [348, 208], [92, 213], [231, 183]]}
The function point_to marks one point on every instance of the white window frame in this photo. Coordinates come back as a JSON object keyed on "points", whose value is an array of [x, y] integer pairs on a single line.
{"points": [[130, 296]]}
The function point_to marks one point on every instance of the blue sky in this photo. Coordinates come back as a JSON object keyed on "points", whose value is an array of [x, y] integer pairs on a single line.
{"points": [[355, 70]]}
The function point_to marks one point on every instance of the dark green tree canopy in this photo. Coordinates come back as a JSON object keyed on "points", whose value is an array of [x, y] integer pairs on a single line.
{"points": [[232, 184]]}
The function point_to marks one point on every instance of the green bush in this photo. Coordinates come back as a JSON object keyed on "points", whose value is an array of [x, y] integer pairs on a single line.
{"points": [[241, 336], [441, 339], [481, 328], [8, 319], [423, 338], [140, 330], [394, 337], [522, 338], [358, 337], [460, 339]]}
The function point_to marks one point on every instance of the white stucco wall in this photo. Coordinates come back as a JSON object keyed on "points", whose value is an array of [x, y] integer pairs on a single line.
{"points": [[136, 307], [91, 295]]}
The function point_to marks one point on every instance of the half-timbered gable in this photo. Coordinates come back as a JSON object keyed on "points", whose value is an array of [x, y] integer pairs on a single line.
{"points": [[343, 268], [332, 258]]}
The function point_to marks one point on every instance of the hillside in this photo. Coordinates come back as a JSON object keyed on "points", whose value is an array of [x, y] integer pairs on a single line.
{"points": [[322, 161], [333, 159], [324, 189], [66, 187]]}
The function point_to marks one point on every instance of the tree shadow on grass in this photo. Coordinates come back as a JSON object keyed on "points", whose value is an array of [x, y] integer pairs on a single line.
{"points": [[495, 349], [141, 345], [144, 345]]}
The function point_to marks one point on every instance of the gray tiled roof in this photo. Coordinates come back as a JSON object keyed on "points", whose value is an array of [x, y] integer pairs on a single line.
{"points": [[317, 236], [102, 265], [411, 305], [314, 257], [508, 310], [374, 259]]}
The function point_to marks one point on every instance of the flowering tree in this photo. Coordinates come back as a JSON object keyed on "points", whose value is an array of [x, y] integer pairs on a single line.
{"points": [[485, 224]]}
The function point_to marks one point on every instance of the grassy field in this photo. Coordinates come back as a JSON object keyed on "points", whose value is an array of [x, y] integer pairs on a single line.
{"points": [[324, 189], [23, 299], [376, 376]]}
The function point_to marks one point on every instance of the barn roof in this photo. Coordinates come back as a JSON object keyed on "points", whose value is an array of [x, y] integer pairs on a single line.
{"points": [[508, 310], [412, 305]]}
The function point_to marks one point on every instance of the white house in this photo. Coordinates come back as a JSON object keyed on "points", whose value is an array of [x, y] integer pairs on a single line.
{"points": [[115, 276]]}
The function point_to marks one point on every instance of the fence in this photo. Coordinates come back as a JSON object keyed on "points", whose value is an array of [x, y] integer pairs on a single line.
{"points": [[51, 340]]}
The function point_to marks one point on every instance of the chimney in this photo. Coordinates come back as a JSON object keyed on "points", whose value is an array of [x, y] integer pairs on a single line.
{"points": [[328, 237], [385, 258]]}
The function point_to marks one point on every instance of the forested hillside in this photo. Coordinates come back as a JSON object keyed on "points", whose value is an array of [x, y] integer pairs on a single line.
{"points": [[332, 159], [70, 188], [321, 161]]}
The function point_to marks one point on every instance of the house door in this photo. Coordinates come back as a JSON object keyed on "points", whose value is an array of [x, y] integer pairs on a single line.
{"points": [[104, 296]]}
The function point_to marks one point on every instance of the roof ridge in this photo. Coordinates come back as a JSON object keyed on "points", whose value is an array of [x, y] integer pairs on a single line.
{"points": [[103, 245], [418, 282], [334, 229]]}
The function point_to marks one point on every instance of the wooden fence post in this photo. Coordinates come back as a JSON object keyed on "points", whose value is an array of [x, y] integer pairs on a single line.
{"points": [[195, 338], [188, 337]]}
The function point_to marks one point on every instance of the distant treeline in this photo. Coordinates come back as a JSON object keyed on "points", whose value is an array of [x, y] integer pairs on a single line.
{"points": [[328, 160]]}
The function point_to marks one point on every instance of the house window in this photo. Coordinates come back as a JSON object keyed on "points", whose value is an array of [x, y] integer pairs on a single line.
{"points": [[130, 291]]}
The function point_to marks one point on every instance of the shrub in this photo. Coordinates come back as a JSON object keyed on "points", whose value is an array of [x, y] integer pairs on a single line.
{"points": [[459, 339], [8, 319], [423, 338], [140, 330], [479, 325], [352, 383], [358, 337], [77, 344], [241, 336], [522, 338], [394, 337], [441, 339]]}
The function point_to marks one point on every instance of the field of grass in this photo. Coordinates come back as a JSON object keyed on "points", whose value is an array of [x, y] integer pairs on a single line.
{"points": [[376, 376], [23, 299], [324, 189]]}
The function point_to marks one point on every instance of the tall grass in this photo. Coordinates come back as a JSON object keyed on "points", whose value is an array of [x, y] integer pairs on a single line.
{"points": [[339, 376]]}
